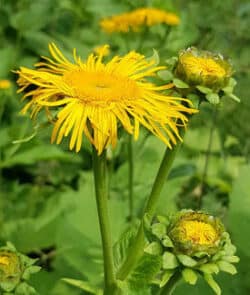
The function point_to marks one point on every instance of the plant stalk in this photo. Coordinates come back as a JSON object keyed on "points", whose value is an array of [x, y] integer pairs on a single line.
{"points": [[99, 169], [136, 249], [208, 153], [131, 178]]}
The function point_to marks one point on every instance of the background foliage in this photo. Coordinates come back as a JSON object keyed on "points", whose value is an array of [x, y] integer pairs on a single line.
{"points": [[47, 206]]}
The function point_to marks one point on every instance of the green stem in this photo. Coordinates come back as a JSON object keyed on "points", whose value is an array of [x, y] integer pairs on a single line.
{"points": [[131, 177], [169, 288], [99, 168], [136, 249], [208, 153]]}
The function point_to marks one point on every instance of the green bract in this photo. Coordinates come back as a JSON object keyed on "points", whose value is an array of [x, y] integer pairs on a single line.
{"points": [[15, 269], [191, 243]]}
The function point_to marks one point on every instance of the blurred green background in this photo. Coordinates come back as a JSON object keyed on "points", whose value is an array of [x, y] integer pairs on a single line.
{"points": [[47, 205]]}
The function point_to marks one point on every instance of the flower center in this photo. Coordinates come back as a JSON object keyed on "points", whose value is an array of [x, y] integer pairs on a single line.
{"points": [[100, 86], [202, 66], [4, 260], [198, 232]]}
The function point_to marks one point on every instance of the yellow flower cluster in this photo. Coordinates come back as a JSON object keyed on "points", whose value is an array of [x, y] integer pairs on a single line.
{"points": [[135, 19]]}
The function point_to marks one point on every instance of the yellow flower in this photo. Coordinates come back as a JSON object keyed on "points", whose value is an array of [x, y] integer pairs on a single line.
{"points": [[5, 84], [198, 232], [203, 68], [193, 232], [135, 19], [102, 50], [96, 98]]}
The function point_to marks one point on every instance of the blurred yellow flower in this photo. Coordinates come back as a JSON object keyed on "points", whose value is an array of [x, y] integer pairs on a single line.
{"points": [[97, 97], [135, 19], [5, 84], [102, 50]]}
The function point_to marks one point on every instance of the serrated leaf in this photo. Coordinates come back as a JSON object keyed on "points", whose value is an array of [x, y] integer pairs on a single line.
{"points": [[121, 247], [204, 89], [209, 268], [180, 84], [148, 267], [213, 98], [169, 261], [227, 267], [190, 276], [186, 260], [165, 278], [211, 282]]}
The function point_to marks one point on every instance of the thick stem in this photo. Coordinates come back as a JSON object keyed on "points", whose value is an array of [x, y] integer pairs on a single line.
{"points": [[99, 168], [168, 289], [136, 249], [131, 178], [207, 158]]}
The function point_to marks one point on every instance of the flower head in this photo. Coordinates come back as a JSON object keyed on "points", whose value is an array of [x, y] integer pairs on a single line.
{"points": [[5, 84], [191, 243], [195, 231], [138, 18], [203, 68], [97, 97], [15, 269]]}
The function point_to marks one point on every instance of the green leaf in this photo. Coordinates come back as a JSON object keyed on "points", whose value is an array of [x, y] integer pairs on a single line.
{"points": [[169, 261], [121, 247], [153, 248], [211, 282], [189, 275], [209, 268], [227, 267], [180, 84], [159, 230], [86, 286], [165, 278], [148, 267], [204, 89], [186, 260], [213, 98]]}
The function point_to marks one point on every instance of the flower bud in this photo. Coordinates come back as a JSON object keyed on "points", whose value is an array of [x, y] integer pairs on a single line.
{"points": [[203, 68]]}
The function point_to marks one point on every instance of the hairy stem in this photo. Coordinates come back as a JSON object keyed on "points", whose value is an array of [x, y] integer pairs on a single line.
{"points": [[99, 168]]}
